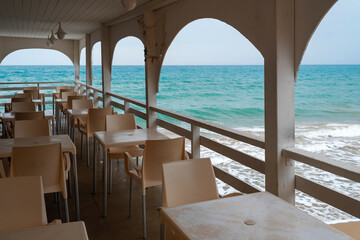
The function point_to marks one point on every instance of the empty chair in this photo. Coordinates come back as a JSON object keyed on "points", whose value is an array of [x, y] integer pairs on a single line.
{"points": [[23, 107], [187, 182], [60, 88], [29, 115], [21, 98], [82, 104], [117, 123], [35, 94], [94, 122], [22, 203], [350, 228], [70, 100], [22, 95], [45, 161], [31, 128], [30, 88], [156, 153]]}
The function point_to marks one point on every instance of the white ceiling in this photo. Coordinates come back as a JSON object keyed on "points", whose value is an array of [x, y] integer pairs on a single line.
{"points": [[36, 18]]}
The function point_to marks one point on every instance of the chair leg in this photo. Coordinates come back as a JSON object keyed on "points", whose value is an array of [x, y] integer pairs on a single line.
{"points": [[67, 218], [110, 175], [59, 205], [130, 198], [144, 215], [88, 151], [94, 167], [69, 184], [82, 145], [162, 231], [56, 198]]}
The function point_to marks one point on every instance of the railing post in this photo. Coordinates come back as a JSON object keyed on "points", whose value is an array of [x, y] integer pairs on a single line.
{"points": [[195, 141], [126, 106], [96, 98]]}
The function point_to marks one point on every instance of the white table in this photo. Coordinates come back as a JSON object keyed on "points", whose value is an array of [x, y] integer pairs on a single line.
{"points": [[109, 139], [231, 218], [66, 146], [65, 231]]}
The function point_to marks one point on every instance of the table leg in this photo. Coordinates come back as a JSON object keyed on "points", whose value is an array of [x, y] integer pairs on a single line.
{"points": [[105, 184], [57, 117], [53, 100], [68, 124], [53, 125], [73, 129], [94, 165], [77, 205]]}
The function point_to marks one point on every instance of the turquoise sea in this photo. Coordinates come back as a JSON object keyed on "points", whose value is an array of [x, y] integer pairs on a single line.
{"points": [[327, 112]]}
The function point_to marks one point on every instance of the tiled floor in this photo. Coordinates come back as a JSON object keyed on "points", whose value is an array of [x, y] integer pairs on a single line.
{"points": [[116, 225]]}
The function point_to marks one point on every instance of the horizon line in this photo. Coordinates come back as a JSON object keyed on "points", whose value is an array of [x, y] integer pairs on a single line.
{"points": [[307, 64]]}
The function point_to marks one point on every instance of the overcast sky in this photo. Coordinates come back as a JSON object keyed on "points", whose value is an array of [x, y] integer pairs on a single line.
{"points": [[211, 42]]}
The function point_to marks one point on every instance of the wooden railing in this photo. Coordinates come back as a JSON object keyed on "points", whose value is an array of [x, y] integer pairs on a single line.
{"points": [[6, 88], [322, 193]]}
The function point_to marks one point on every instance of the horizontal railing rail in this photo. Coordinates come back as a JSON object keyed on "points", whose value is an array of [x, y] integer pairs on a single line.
{"points": [[322, 193]]}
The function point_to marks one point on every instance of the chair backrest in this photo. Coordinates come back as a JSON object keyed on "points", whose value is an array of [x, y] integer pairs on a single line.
{"points": [[96, 119], [21, 98], [35, 94], [156, 153], [22, 203], [188, 181], [30, 88], [82, 104], [31, 128], [58, 88], [23, 107], [41, 160], [22, 95], [65, 95], [29, 115], [70, 100], [120, 122]]}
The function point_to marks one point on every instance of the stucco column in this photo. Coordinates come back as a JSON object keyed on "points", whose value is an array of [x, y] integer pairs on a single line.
{"points": [[88, 63], [77, 61], [152, 68], [279, 100], [106, 64]]}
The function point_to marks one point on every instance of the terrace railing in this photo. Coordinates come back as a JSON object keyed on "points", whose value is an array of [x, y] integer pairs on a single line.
{"points": [[8, 89]]}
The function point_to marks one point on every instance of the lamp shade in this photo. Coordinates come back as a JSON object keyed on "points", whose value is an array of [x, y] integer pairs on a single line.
{"points": [[60, 33], [52, 38], [128, 4]]}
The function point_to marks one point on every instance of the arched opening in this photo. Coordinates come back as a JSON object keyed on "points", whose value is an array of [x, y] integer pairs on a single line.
{"points": [[96, 65], [34, 65], [327, 103], [212, 72], [83, 65], [128, 71]]}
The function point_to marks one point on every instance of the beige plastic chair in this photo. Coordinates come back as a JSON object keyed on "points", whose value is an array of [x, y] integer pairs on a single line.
{"points": [[156, 153], [82, 104], [61, 89], [186, 182], [21, 98], [29, 115], [117, 123], [70, 100], [30, 88], [350, 228], [94, 122], [23, 107], [22, 95], [35, 94], [31, 128], [45, 161], [22, 203]]}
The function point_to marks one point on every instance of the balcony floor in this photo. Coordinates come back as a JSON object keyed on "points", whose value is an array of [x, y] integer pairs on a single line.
{"points": [[116, 225]]}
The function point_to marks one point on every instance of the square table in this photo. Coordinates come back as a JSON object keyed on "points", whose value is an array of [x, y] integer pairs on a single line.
{"points": [[66, 146], [10, 116], [251, 216], [65, 231], [109, 139]]}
